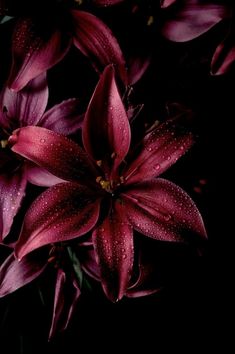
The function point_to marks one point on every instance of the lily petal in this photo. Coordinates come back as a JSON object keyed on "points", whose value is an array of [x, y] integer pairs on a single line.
{"points": [[12, 189], [64, 118], [63, 212], [66, 297], [224, 56], [28, 105], [33, 54], [52, 151], [161, 148], [95, 40], [113, 242], [39, 176], [163, 211], [191, 19], [15, 274], [109, 138]]}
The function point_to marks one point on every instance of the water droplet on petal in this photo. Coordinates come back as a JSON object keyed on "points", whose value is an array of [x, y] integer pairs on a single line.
{"points": [[157, 167]]}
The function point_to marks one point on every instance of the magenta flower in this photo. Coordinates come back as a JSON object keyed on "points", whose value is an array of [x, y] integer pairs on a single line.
{"points": [[18, 110], [111, 188], [40, 44]]}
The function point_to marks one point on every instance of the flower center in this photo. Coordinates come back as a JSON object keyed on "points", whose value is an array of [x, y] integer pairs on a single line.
{"points": [[110, 186]]}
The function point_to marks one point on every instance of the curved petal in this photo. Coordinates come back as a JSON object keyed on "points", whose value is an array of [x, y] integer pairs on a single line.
{"points": [[39, 176], [163, 211], [113, 242], [191, 19], [54, 152], [64, 118], [66, 297], [12, 189], [95, 40], [63, 212], [224, 56], [15, 274], [161, 148], [27, 106], [106, 129], [33, 52]]}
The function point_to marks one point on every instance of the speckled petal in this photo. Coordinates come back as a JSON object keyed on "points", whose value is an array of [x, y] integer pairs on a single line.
{"points": [[163, 211], [113, 242], [96, 41], [54, 152], [160, 149], [63, 212]]}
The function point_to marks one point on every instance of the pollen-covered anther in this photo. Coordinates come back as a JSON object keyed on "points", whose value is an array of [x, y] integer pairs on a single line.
{"points": [[98, 179], [99, 163], [105, 185], [51, 259], [4, 143], [150, 21]]}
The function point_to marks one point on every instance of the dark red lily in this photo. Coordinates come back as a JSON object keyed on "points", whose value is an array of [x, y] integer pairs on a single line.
{"points": [[23, 109], [39, 44], [109, 190]]}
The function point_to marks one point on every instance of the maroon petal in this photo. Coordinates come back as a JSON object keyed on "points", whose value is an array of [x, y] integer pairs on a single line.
{"points": [[161, 148], [28, 105], [33, 53], [191, 19], [15, 274], [66, 297], [63, 212], [106, 129], [52, 151], [96, 41], [39, 176], [224, 56], [163, 211], [113, 242], [64, 118], [12, 189]]}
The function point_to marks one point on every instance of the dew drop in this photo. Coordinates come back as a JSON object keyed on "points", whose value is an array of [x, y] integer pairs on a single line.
{"points": [[167, 217], [157, 167]]}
